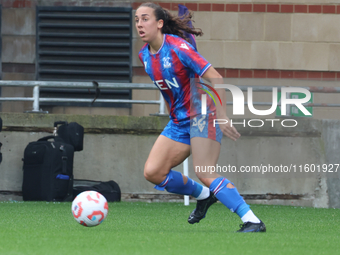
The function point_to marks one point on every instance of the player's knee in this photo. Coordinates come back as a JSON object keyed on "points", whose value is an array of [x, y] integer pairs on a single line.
{"points": [[151, 173], [148, 174], [149, 177]]}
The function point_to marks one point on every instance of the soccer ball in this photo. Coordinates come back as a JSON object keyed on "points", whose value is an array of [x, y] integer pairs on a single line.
{"points": [[89, 208]]}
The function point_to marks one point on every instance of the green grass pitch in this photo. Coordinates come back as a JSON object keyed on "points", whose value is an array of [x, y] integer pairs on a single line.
{"points": [[161, 228]]}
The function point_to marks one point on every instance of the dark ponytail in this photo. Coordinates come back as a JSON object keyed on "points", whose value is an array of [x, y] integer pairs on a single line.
{"points": [[173, 24]]}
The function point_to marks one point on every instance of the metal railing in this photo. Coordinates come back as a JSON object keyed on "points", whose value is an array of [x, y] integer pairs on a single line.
{"points": [[36, 99]]}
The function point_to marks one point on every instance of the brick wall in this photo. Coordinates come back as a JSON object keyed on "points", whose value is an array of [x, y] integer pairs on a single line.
{"points": [[251, 40]]}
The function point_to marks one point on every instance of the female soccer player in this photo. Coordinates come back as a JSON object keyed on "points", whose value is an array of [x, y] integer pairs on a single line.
{"points": [[172, 63]]}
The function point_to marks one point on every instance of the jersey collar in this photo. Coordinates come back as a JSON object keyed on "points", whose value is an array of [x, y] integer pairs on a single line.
{"points": [[159, 47]]}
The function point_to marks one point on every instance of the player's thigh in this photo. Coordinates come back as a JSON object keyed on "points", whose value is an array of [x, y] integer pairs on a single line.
{"points": [[164, 155], [205, 153]]}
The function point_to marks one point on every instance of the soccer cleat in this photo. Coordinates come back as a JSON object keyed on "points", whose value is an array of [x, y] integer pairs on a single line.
{"points": [[252, 227], [201, 209]]}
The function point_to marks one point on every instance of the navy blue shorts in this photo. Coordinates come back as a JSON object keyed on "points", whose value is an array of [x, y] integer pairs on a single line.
{"points": [[200, 126]]}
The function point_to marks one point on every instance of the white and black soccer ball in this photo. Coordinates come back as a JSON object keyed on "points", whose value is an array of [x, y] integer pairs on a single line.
{"points": [[90, 208]]}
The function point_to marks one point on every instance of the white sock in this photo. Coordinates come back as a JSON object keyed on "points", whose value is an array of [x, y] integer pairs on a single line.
{"points": [[204, 193], [250, 217]]}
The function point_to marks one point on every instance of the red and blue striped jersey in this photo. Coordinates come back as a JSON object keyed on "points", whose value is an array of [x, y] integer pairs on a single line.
{"points": [[171, 69]]}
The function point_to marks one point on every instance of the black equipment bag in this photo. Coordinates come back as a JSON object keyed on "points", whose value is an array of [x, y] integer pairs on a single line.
{"points": [[72, 133], [110, 189], [48, 170]]}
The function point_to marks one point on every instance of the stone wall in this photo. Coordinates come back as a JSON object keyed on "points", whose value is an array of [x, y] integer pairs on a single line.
{"points": [[116, 147]]}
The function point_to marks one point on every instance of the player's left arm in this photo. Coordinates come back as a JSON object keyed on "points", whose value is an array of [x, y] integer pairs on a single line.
{"points": [[193, 60], [215, 78]]}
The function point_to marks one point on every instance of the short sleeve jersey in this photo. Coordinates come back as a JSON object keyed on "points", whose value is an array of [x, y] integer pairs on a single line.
{"points": [[171, 69]]}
